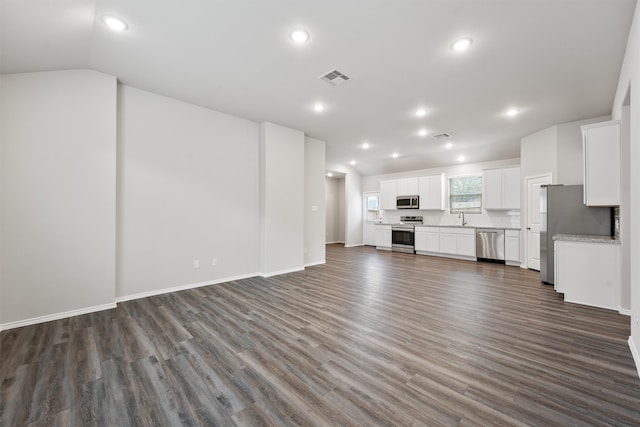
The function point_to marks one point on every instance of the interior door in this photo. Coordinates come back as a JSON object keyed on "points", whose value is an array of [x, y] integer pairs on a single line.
{"points": [[371, 216], [532, 234]]}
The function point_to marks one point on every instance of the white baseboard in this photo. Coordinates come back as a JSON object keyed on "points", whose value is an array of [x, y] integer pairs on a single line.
{"points": [[624, 311], [311, 264], [183, 287], [635, 353], [55, 316], [331, 243], [277, 273], [353, 246]]}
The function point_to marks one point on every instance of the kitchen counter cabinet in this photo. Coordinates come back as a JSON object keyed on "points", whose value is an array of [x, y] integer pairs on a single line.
{"points": [[512, 247], [383, 237], [427, 239], [588, 273], [452, 242]]}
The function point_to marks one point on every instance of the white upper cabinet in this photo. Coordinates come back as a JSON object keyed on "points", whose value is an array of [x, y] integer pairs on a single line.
{"points": [[601, 154], [501, 189], [388, 193], [492, 189], [432, 192], [408, 187]]}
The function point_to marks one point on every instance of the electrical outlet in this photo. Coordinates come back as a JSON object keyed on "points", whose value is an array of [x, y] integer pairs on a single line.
{"points": [[214, 261], [196, 263]]}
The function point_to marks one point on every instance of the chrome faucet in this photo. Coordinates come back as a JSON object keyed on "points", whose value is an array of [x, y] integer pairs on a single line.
{"points": [[463, 221]]}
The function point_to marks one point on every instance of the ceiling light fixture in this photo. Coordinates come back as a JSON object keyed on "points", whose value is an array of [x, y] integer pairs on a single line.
{"points": [[461, 158], [365, 145], [448, 145], [461, 44], [114, 23], [421, 112], [394, 155], [511, 112], [352, 162], [318, 108], [299, 35], [423, 132]]}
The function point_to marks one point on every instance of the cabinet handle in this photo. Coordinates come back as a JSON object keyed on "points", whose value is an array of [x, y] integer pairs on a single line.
{"points": [[528, 228]]}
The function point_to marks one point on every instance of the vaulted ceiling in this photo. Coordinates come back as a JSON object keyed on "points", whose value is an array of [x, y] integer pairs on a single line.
{"points": [[553, 60]]}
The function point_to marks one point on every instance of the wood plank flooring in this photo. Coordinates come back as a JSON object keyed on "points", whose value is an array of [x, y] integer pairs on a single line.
{"points": [[371, 338]]}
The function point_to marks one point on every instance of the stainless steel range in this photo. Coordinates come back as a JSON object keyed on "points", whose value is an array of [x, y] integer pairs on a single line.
{"points": [[403, 234]]}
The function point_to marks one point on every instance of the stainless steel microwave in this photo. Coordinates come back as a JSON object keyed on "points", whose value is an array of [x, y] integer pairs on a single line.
{"points": [[407, 202]]}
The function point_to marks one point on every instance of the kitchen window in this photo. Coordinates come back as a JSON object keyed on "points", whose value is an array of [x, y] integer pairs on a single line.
{"points": [[465, 194], [373, 208]]}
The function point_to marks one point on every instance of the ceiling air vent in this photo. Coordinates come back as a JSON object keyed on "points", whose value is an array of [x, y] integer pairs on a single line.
{"points": [[443, 135], [334, 78]]}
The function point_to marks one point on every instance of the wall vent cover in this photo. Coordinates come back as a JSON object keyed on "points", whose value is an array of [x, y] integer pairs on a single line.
{"points": [[334, 78], [443, 135]]}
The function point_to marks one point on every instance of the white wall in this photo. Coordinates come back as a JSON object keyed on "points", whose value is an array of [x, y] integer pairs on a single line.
{"points": [[625, 211], [538, 156], [58, 187], [570, 169], [331, 197], [314, 201], [342, 211], [630, 77], [281, 199], [187, 190], [485, 219]]}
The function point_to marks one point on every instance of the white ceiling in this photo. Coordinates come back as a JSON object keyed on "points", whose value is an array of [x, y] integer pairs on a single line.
{"points": [[555, 60]]}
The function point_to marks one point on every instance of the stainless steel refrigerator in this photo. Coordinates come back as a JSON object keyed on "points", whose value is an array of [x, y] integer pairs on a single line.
{"points": [[562, 211]]}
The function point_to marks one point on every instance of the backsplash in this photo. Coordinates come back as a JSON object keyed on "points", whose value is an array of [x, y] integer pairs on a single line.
{"points": [[502, 219]]}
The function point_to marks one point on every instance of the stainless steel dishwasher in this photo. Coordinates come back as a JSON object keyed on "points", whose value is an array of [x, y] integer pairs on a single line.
{"points": [[490, 245]]}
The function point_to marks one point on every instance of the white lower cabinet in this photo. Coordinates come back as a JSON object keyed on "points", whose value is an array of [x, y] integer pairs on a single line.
{"points": [[447, 242], [588, 273], [383, 237], [455, 242], [466, 243], [427, 239], [512, 247]]}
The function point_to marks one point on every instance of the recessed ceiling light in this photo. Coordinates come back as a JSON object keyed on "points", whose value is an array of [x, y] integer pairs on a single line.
{"points": [[365, 145], [318, 107], [461, 45], [299, 35], [394, 155], [329, 174], [461, 158], [512, 112], [421, 112], [114, 23], [448, 145], [352, 162], [423, 132]]}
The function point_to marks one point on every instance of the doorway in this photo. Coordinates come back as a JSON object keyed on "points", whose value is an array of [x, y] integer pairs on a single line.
{"points": [[371, 215], [532, 186]]}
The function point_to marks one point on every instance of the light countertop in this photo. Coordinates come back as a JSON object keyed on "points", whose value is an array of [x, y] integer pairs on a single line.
{"points": [[454, 226], [586, 238]]}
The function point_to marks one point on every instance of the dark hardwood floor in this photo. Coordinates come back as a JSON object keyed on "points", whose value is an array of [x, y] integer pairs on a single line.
{"points": [[372, 338]]}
